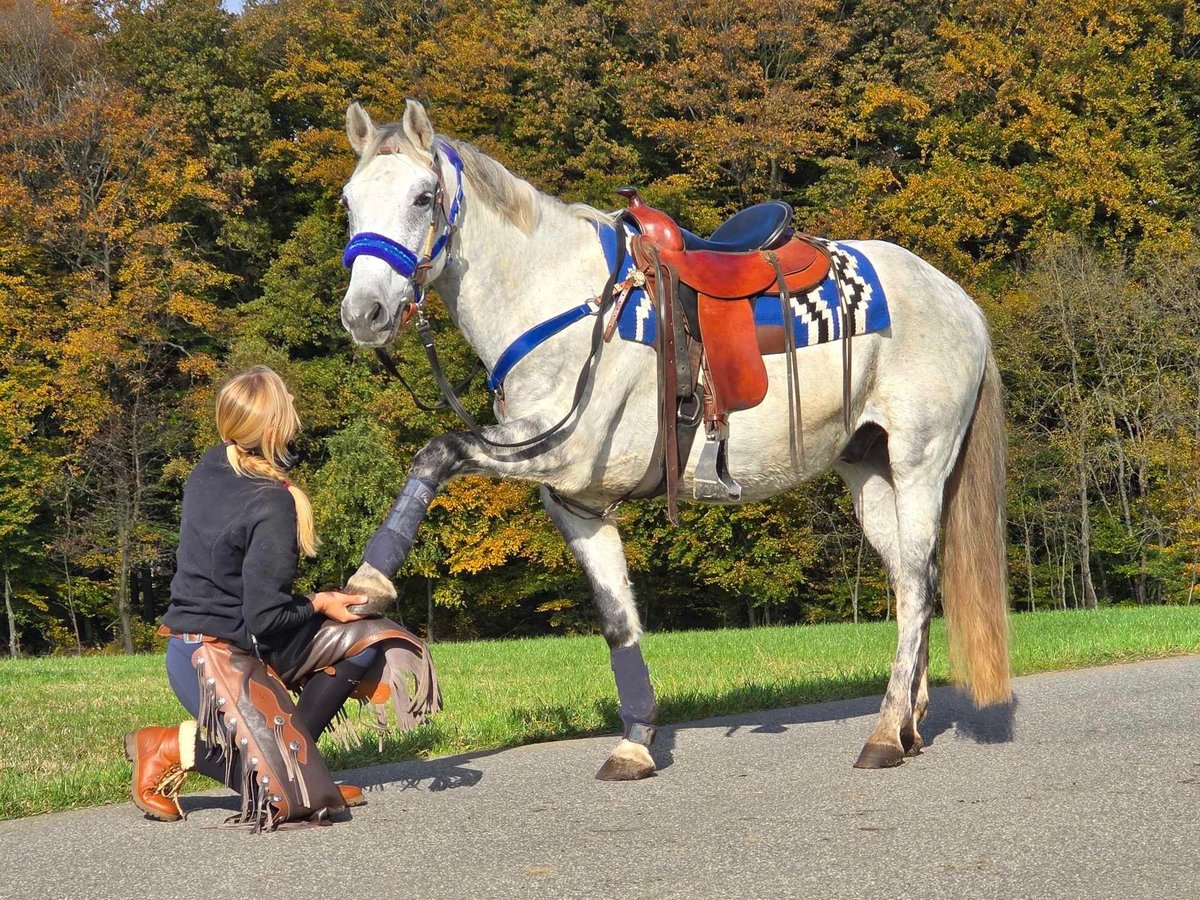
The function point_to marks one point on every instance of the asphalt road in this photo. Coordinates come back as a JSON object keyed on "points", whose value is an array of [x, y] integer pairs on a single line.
{"points": [[1088, 786]]}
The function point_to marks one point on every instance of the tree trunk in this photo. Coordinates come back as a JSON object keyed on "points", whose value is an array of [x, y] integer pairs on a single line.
{"points": [[14, 645], [123, 596], [751, 619], [1085, 541], [1139, 584], [1192, 586], [71, 604], [862, 539], [146, 583], [429, 610], [1028, 562]]}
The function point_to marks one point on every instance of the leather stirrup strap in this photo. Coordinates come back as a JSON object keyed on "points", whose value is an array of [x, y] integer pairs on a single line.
{"points": [[665, 281], [795, 422]]}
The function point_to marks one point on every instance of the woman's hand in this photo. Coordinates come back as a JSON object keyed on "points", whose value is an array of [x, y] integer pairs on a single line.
{"points": [[333, 605]]}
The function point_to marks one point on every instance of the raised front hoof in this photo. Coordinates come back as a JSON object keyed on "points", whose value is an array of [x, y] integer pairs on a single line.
{"points": [[879, 756], [629, 762], [378, 588]]}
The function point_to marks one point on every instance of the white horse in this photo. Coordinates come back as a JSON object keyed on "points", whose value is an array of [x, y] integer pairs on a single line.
{"points": [[926, 445]]}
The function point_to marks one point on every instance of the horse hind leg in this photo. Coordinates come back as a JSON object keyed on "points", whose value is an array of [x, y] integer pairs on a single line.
{"points": [[902, 533], [596, 544], [910, 738]]}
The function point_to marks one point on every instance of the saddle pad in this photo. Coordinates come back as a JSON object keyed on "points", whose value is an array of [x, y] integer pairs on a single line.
{"points": [[817, 313]]}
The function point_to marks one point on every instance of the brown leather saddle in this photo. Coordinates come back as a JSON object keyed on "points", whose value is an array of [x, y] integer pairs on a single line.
{"points": [[704, 292]]}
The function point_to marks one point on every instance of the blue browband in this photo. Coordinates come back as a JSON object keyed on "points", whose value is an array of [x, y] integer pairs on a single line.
{"points": [[395, 254]]}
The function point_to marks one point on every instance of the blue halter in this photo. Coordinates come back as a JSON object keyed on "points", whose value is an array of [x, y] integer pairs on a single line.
{"points": [[405, 261], [395, 254]]}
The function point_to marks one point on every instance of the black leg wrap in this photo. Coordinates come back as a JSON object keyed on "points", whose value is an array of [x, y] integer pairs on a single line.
{"points": [[639, 711], [388, 548]]}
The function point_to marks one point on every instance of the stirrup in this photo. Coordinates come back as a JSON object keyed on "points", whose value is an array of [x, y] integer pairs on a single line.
{"points": [[712, 480]]}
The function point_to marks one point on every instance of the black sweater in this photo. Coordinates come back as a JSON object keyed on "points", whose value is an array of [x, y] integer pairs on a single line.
{"points": [[237, 560]]}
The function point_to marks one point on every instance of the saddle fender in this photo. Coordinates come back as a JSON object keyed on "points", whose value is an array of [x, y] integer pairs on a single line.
{"points": [[736, 373]]}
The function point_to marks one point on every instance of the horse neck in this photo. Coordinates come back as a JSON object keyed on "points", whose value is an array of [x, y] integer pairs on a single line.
{"points": [[503, 281]]}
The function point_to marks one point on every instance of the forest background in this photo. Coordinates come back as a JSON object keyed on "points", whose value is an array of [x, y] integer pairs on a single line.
{"points": [[169, 175]]}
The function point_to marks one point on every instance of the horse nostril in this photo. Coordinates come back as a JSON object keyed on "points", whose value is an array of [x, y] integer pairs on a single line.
{"points": [[378, 316]]}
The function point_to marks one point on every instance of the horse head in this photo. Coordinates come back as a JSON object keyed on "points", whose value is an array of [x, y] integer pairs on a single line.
{"points": [[403, 202]]}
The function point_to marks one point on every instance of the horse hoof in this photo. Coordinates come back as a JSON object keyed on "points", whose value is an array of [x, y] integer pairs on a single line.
{"points": [[378, 588], [879, 756], [629, 762]]}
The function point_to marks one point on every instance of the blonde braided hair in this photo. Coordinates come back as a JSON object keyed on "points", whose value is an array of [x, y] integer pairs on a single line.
{"points": [[257, 420]]}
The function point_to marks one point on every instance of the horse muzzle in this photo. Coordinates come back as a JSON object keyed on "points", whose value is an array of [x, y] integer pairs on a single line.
{"points": [[369, 322]]}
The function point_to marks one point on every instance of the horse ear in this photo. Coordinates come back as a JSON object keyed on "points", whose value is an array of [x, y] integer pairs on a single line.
{"points": [[359, 127], [417, 125]]}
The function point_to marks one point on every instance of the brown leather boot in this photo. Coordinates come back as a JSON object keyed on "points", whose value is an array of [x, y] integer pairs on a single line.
{"points": [[161, 756], [352, 795]]}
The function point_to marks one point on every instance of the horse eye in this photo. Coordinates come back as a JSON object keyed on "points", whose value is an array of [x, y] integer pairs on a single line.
{"points": [[423, 200], [343, 202]]}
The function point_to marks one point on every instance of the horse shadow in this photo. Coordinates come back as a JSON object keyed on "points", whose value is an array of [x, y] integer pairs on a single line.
{"points": [[949, 710]]}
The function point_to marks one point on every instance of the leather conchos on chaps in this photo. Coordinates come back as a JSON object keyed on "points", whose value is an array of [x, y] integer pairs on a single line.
{"points": [[283, 778]]}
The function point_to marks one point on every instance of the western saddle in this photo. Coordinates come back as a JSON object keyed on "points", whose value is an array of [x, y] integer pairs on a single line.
{"points": [[703, 293]]}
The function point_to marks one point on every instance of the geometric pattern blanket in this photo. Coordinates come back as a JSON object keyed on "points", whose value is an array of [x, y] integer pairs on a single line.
{"points": [[816, 314]]}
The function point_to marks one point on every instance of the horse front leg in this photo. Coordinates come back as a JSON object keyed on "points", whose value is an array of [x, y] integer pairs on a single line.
{"points": [[440, 460], [596, 544]]}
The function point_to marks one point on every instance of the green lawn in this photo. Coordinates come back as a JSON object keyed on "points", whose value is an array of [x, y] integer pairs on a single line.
{"points": [[61, 718]]}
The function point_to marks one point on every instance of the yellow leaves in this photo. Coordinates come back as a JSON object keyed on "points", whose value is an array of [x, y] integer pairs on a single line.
{"points": [[491, 524], [199, 366], [878, 97]]}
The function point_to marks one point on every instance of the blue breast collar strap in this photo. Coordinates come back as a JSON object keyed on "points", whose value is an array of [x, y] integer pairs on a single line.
{"points": [[543, 331], [532, 339]]}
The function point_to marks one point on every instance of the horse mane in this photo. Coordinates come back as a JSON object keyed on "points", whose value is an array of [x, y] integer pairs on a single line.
{"points": [[514, 199]]}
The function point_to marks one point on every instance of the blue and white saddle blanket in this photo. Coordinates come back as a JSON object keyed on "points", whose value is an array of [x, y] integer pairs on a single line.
{"points": [[816, 314]]}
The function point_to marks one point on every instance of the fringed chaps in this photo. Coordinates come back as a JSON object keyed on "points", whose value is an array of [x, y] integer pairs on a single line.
{"points": [[244, 707], [406, 659]]}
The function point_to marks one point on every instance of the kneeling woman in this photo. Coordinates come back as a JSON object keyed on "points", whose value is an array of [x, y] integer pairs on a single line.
{"points": [[242, 642]]}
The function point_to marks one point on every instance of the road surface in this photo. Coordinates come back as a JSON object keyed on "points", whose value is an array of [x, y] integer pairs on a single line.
{"points": [[1088, 786]]}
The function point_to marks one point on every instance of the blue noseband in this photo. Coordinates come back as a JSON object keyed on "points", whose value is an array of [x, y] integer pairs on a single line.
{"points": [[395, 254], [368, 243]]}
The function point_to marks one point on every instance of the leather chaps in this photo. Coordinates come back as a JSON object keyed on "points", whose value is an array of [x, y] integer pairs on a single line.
{"points": [[248, 715]]}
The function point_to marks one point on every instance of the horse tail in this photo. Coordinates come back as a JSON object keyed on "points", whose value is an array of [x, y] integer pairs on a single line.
{"points": [[975, 576]]}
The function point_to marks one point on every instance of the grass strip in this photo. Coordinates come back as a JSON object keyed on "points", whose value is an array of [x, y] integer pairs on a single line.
{"points": [[61, 718]]}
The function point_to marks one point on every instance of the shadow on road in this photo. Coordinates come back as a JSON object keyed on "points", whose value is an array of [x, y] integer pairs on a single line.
{"points": [[949, 709]]}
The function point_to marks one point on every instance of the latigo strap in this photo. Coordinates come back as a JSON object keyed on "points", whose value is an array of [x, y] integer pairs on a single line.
{"points": [[248, 714]]}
